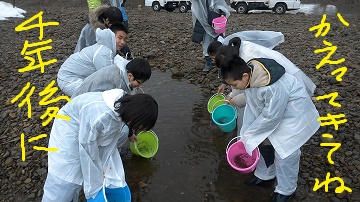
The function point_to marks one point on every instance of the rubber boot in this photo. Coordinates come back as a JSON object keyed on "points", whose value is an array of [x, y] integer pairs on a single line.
{"points": [[208, 64]]}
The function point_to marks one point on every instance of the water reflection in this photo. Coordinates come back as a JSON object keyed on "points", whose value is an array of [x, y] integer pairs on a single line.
{"points": [[190, 164]]}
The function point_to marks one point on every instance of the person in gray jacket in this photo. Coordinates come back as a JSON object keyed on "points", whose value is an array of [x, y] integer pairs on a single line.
{"points": [[82, 64], [203, 12]]}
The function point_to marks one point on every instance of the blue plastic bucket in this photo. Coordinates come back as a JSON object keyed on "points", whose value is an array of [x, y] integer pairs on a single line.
{"points": [[113, 194], [225, 117]]}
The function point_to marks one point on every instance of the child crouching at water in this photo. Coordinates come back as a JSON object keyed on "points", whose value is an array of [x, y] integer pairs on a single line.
{"points": [[87, 144], [278, 109], [124, 74]]}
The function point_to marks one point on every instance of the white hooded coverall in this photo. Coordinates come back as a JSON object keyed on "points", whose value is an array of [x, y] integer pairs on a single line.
{"points": [[284, 113], [90, 59], [110, 77], [87, 147], [249, 50]]}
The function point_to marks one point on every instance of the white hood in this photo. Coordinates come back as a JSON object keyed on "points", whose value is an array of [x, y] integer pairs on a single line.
{"points": [[121, 63], [106, 38], [110, 96]]}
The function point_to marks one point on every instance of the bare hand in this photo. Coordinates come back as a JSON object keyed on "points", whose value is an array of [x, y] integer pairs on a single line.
{"points": [[222, 88], [133, 138], [230, 99]]}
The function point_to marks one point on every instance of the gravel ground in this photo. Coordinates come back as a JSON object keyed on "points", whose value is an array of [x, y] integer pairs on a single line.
{"points": [[164, 38]]}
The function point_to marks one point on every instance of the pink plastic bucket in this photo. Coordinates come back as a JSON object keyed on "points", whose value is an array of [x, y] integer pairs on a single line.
{"points": [[219, 25], [239, 159]]}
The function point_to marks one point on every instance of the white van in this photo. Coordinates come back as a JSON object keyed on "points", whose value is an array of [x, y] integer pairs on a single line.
{"points": [[157, 5], [278, 6]]}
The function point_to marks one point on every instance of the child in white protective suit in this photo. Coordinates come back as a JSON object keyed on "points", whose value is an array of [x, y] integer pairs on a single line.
{"points": [[278, 109], [90, 59], [123, 74], [87, 154], [248, 50]]}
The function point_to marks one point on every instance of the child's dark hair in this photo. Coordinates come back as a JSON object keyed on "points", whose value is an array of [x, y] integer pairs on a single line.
{"points": [[236, 42], [139, 111], [139, 68], [213, 47], [118, 27], [231, 65], [113, 14], [225, 52], [230, 50], [234, 68]]}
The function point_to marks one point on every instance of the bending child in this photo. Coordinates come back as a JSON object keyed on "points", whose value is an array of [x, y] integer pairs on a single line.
{"points": [[248, 50], [278, 109], [124, 74], [87, 153], [82, 64]]}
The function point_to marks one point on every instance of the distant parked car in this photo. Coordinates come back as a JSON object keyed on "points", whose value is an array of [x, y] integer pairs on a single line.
{"points": [[278, 6], [157, 5]]}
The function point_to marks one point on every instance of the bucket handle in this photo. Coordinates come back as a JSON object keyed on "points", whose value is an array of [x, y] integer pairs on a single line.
{"points": [[139, 88], [212, 108], [216, 101], [152, 133], [217, 28], [135, 145], [216, 95], [227, 147]]}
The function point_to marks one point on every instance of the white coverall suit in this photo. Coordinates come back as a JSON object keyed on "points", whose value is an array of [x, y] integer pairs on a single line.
{"points": [[249, 50], [90, 59], [87, 148], [110, 77], [283, 113]]}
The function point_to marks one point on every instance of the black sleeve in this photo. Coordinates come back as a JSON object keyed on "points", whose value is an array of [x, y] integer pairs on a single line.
{"points": [[130, 132], [222, 13]]}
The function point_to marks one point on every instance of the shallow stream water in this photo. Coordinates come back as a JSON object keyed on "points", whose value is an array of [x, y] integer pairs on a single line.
{"points": [[190, 164]]}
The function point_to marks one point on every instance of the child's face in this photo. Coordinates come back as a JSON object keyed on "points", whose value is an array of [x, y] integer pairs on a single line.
{"points": [[120, 37], [238, 84], [134, 83]]}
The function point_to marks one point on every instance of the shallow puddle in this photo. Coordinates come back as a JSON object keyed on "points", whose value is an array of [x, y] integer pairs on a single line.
{"points": [[190, 164]]}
